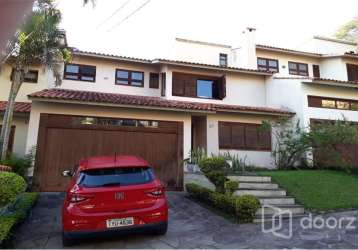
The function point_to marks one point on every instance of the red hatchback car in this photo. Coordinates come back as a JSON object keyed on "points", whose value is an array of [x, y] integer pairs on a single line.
{"points": [[110, 194]]}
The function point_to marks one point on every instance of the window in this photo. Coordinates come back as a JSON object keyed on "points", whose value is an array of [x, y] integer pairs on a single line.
{"points": [[332, 103], [267, 64], [154, 80], [204, 88], [31, 76], [114, 122], [243, 136], [316, 71], [115, 176], [130, 78], [352, 71], [300, 69], [223, 60], [79, 72]]}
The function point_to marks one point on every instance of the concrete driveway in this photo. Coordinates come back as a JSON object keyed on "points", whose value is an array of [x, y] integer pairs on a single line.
{"points": [[191, 226]]}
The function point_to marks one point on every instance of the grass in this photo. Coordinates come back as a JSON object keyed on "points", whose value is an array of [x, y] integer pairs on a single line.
{"points": [[321, 190]]}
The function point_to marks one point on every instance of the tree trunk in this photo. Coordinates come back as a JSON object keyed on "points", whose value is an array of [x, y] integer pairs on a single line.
{"points": [[7, 120]]}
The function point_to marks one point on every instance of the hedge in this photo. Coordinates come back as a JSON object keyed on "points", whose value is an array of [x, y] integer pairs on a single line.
{"points": [[15, 213], [11, 185], [243, 208]]}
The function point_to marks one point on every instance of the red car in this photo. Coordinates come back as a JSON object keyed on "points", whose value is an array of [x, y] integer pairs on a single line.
{"points": [[111, 194]]}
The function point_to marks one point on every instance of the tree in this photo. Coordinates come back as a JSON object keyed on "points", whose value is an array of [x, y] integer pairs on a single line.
{"points": [[348, 31], [40, 41]]}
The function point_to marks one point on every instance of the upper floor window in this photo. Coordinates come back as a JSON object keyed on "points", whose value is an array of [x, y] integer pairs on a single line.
{"points": [[31, 76], [130, 78], [352, 71], [204, 88], [332, 103], [267, 64], [80, 72], [296, 68], [223, 60]]}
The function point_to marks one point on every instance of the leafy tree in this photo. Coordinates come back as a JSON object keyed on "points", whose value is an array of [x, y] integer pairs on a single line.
{"points": [[348, 31], [39, 42], [294, 145]]}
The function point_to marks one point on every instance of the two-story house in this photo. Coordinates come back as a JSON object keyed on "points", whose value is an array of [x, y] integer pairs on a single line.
{"points": [[204, 95]]}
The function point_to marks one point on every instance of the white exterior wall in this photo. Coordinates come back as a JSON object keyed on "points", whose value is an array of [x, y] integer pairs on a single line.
{"points": [[283, 60], [200, 53], [334, 68], [21, 126], [105, 77], [241, 89], [256, 158], [320, 46], [99, 111], [26, 88]]}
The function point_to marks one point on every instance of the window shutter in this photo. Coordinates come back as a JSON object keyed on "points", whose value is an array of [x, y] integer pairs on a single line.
{"points": [[222, 87], [224, 135], [154, 80], [265, 139], [190, 86], [316, 71], [352, 71], [163, 76], [314, 101], [251, 136], [238, 136], [178, 84]]}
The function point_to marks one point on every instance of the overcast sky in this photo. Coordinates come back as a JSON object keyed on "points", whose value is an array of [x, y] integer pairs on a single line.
{"points": [[149, 32]]}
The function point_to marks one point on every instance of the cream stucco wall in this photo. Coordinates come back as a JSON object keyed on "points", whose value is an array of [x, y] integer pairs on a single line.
{"points": [[256, 158], [21, 128], [26, 88], [326, 47]]}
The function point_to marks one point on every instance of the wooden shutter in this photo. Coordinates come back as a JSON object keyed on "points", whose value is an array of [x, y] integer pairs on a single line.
{"points": [[222, 87], [163, 87], [316, 71], [154, 80], [11, 139], [265, 139], [190, 85], [224, 135], [314, 101], [251, 136], [352, 72], [178, 85], [238, 136]]}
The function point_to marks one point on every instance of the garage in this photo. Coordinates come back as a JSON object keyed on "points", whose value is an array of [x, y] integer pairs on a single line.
{"points": [[63, 140]]}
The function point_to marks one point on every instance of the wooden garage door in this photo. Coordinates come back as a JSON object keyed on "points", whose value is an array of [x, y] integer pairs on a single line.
{"points": [[64, 140]]}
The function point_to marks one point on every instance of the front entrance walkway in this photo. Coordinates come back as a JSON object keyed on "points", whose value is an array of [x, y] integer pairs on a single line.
{"points": [[191, 226]]}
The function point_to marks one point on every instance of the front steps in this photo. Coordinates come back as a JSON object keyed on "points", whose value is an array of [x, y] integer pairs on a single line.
{"points": [[272, 198]]}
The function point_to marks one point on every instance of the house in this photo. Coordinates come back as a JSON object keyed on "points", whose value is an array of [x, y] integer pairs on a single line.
{"points": [[206, 95]]}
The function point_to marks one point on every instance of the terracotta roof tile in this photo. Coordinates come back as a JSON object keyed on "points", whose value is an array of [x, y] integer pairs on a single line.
{"points": [[260, 46], [154, 102], [334, 81], [20, 107]]}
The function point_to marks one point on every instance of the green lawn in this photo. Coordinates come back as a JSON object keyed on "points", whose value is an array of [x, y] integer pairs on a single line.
{"points": [[319, 189]]}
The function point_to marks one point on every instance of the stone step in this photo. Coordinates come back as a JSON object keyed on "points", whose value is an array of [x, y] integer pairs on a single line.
{"points": [[269, 217], [294, 209], [257, 185], [250, 178], [279, 200], [261, 192]]}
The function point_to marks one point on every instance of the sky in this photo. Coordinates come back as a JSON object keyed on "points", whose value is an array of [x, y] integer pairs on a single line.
{"points": [[109, 27]]}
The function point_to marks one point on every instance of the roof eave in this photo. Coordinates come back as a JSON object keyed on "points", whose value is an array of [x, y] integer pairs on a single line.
{"points": [[290, 52], [329, 83]]}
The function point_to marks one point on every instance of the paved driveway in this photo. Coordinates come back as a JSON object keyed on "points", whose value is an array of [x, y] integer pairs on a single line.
{"points": [[191, 226]]}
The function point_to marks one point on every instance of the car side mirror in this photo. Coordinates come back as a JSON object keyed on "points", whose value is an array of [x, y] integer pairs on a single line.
{"points": [[67, 173]]}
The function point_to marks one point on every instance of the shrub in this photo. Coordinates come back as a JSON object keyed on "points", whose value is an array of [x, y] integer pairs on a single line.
{"points": [[4, 168], [246, 207], [242, 208], [11, 185], [231, 186], [216, 170], [18, 165], [23, 204]]}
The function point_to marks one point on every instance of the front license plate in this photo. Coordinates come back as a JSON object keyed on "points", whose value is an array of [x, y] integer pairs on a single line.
{"points": [[120, 222]]}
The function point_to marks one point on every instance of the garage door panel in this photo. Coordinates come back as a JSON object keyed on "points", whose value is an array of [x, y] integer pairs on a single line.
{"points": [[63, 148]]}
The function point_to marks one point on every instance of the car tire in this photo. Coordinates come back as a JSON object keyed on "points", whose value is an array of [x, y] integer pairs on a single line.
{"points": [[67, 241], [161, 229]]}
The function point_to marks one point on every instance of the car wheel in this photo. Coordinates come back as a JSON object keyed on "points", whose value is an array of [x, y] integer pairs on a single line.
{"points": [[67, 241], [162, 229]]}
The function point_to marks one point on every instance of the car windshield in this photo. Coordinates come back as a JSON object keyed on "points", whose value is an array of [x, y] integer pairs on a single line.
{"points": [[115, 176]]}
